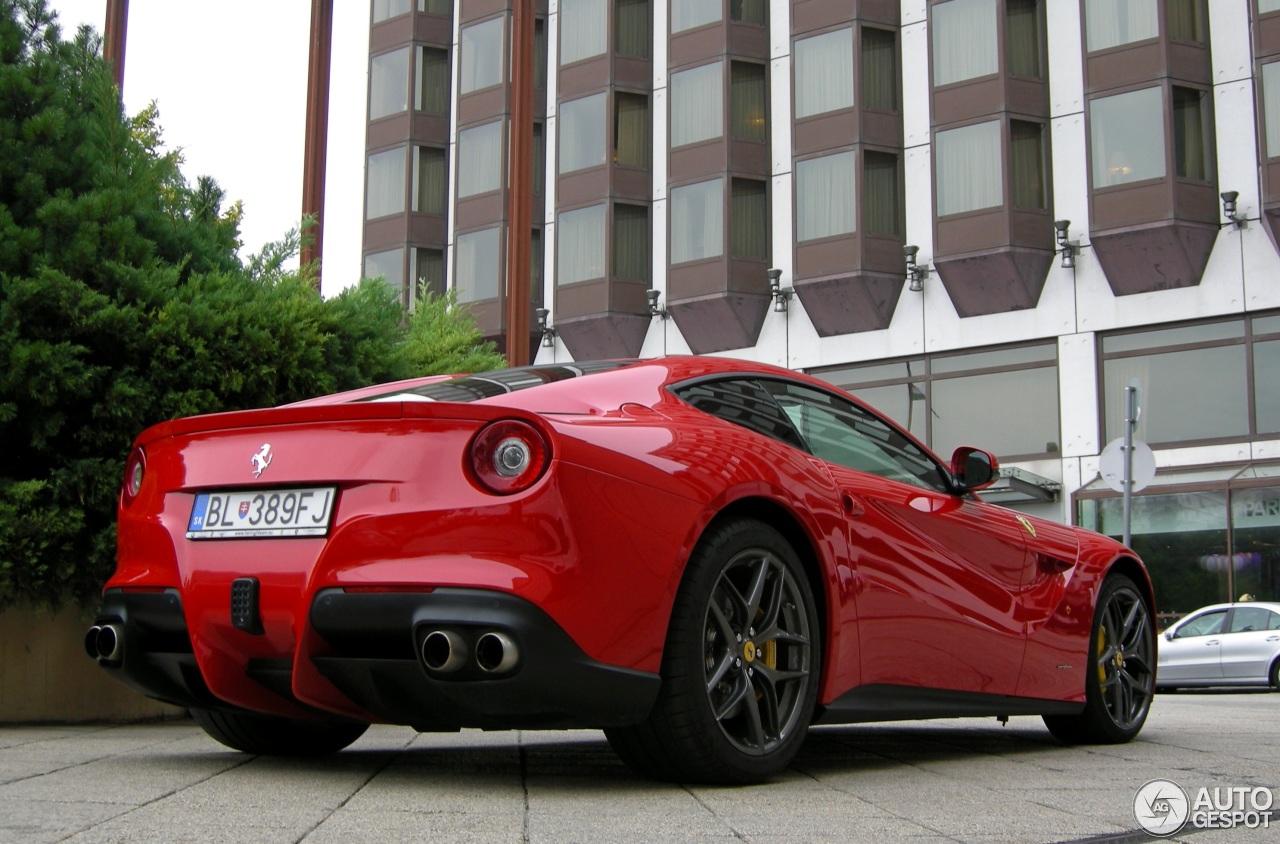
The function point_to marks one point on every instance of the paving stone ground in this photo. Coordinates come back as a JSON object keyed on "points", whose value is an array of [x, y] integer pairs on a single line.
{"points": [[965, 780]]}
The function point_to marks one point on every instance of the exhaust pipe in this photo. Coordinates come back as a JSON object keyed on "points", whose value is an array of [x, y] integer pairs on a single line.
{"points": [[496, 653], [444, 651], [105, 642]]}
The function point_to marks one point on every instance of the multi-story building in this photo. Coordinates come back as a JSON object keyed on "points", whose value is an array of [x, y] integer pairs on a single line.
{"points": [[986, 217]]}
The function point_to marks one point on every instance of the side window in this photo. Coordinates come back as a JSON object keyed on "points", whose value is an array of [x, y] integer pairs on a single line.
{"points": [[1204, 625], [742, 402], [843, 433], [1250, 618]]}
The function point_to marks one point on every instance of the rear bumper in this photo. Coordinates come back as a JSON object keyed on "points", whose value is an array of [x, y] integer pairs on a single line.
{"points": [[375, 660], [156, 657], [372, 654]]}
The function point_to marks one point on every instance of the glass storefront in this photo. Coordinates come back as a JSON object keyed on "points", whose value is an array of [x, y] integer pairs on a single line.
{"points": [[1206, 536]]}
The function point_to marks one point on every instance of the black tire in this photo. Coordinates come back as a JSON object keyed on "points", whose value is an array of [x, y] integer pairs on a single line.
{"points": [[263, 734], [741, 665], [1275, 675], [1119, 680]]}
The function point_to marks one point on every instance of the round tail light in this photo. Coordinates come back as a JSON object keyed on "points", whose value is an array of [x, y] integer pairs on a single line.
{"points": [[508, 456], [135, 468]]}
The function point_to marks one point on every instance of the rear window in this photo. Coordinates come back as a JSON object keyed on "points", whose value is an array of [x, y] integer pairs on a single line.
{"points": [[484, 385]]}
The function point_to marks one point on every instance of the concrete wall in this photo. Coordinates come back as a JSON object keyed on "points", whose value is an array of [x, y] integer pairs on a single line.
{"points": [[46, 676]]}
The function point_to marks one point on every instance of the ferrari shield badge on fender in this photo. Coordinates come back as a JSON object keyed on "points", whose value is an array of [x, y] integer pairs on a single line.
{"points": [[261, 460], [1022, 520]]}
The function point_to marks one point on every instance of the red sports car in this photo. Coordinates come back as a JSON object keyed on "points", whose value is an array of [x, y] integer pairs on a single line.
{"points": [[700, 556]]}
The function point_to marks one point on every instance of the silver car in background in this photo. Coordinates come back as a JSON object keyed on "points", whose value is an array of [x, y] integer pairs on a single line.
{"points": [[1222, 645]]}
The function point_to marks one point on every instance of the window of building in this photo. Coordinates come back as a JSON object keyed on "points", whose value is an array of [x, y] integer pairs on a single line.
{"points": [[631, 242], [1191, 134], [481, 62], [584, 29], [539, 54], [964, 40], [1265, 6], [951, 400], [537, 260], [631, 132], [1027, 164], [825, 193], [1023, 34], [687, 14], [480, 159], [1194, 382], [581, 133], [749, 219], [1126, 137], [748, 101], [631, 28], [389, 83], [430, 179], [881, 194], [879, 69], [1266, 374], [387, 9], [388, 265], [697, 221], [1185, 19], [436, 7], [428, 270], [432, 94], [539, 161], [580, 244], [747, 11], [697, 104], [824, 73], [1271, 106], [385, 185], [967, 168], [476, 265], [1110, 23]]}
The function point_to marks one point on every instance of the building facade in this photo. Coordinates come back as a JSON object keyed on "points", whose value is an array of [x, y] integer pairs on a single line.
{"points": [[985, 217]]}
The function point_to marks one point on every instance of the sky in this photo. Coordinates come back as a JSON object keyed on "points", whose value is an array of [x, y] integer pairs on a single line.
{"points": [[230, 81]]}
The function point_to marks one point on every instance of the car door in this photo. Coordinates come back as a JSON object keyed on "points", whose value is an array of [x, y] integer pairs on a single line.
{"points": [[938, 574], [1251, 641], [1192, 650]]}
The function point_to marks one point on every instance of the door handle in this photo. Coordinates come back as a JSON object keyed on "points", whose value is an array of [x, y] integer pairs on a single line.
{"points": [[1273, 638], [1212, 642], [852, 505]]}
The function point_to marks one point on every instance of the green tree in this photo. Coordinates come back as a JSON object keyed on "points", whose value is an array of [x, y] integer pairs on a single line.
{"points": [[123, 302]]}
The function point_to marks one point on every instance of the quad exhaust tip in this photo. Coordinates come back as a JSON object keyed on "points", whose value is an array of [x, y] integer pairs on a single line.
{"points": [[496, 653], [104, 642], [444, 651], [448, 651]]}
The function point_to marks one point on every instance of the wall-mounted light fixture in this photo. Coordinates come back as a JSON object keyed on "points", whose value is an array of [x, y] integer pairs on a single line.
{"points": [[548, 333], [1068, 249], [655, 309], [1234, 219], [781, 296], [916, 273]]}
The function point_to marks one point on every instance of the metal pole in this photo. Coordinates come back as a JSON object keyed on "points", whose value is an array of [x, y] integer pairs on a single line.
{"points": [[316, 139], [520, 189], [115, 37], [1130, 422]]}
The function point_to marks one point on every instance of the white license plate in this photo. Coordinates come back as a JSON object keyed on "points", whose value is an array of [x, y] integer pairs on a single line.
{"points": [[250, 514]]}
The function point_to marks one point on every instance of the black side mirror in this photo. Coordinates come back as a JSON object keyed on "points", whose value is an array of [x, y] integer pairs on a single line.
{"points": [[973, 468]]}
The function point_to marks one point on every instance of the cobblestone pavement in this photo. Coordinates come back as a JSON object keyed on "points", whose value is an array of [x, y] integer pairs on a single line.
{"points": [[967, 780]]}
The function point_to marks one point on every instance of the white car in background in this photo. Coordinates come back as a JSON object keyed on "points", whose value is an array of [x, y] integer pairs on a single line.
{"points": [[1222, 645]]}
